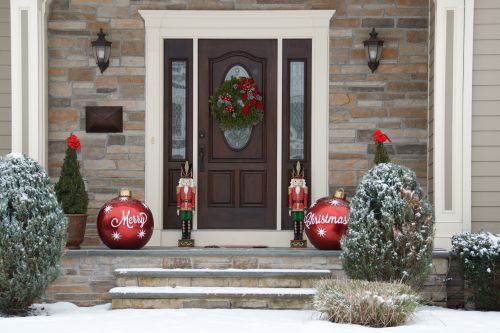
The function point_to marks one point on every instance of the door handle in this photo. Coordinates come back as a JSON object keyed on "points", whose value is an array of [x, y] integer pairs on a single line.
{"points": [[201, 158]]}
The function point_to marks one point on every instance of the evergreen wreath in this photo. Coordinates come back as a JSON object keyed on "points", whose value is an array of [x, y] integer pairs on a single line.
{"points": [[237, 103]]}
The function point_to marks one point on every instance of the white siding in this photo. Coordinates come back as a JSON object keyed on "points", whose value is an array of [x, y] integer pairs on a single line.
{"points": [[5, 116], [486, 117]]}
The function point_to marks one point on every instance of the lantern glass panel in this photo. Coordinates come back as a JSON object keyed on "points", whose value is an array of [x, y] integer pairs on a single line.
{"points": [[101, 53], [372, 52]]}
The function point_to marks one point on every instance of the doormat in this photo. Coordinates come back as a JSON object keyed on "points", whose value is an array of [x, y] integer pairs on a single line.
{"points": [[236, 246]]}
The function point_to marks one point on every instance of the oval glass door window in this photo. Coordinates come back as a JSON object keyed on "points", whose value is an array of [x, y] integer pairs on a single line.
{"points": [[238, 138], [235, 71]]}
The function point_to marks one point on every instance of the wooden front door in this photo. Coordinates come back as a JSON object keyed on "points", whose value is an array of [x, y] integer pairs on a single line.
{"points": [[237, 177]]}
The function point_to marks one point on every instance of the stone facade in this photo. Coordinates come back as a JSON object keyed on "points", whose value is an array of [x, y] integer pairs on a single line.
{"points": [[394, 98]]}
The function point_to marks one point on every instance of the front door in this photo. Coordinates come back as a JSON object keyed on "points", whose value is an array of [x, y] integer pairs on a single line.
{"points": [[237, 170]]}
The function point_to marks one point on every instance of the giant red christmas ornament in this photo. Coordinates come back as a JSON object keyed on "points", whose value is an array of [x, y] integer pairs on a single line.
{"points": [[125, 223], [326, 221]]}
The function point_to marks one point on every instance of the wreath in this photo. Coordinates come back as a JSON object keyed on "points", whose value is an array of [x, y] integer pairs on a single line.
{"points": [[237, 103]]}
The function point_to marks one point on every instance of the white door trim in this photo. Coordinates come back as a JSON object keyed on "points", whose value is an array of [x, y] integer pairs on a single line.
{"points": [[268, 24]]}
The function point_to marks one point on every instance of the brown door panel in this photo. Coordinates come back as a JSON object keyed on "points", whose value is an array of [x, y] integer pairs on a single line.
{"points": [[237, 188]]}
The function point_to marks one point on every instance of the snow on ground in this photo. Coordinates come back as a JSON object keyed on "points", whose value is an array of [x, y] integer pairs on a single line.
{"points": [[66, 317]]}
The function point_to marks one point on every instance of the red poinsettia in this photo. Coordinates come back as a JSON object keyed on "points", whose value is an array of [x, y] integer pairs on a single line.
{"points": [[380, 137], [229, 108], [73, 142]]}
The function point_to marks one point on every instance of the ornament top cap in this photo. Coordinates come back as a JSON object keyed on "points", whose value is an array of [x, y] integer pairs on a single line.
{"points": [[340, 194], [125, 192]]}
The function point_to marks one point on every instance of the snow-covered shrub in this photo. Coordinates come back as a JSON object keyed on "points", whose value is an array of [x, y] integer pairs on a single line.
{"points": [[32, 233], [391, 228], [479, 256], [375, 304]]}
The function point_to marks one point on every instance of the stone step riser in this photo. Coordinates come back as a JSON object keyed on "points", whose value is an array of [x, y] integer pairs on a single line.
{"points": [[276, 303], [262, 282]]}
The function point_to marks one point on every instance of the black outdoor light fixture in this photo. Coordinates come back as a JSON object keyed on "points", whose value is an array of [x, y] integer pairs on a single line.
{"points": [[102, 49], [373, 50]]}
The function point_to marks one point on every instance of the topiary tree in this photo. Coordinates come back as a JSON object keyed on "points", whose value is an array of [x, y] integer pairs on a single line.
{"points": [[381, 154], [32, 233], [391, 228], [70, 189]]}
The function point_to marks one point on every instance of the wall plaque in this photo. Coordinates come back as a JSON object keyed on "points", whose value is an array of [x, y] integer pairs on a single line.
{"points": [[103, 119]]}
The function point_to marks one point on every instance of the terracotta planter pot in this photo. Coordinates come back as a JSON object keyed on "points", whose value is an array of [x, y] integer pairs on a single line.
{"points": [[76, 230]]}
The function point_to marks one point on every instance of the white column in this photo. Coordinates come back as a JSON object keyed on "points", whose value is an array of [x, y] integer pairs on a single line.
{"points": [[452, 118], [29, 78]]}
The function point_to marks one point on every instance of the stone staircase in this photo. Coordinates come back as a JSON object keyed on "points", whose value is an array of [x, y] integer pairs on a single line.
{"points": [[146, 288]]}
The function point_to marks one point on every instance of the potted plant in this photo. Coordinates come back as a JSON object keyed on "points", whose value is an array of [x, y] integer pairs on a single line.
{"points": [[71, 194]]}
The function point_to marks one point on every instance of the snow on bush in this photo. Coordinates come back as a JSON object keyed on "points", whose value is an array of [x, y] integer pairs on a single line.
{"points": [[479, 256], [375, 304], [32, 233], [391, 228]]}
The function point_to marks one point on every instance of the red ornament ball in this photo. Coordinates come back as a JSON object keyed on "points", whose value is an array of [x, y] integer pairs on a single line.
{"points": [[326, 222], [125, 223]]}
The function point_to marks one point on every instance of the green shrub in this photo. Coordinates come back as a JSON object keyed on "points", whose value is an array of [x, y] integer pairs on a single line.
{"points": [[375, 304], [70, 189], [391, 229], [479, 256], [32, 233]]}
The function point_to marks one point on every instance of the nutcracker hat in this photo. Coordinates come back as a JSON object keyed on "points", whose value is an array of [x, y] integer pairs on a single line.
{"points": [[186, 170], [298, 171]]}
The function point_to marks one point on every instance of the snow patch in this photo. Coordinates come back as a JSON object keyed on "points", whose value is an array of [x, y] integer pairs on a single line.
{"points": [[65, 317]]}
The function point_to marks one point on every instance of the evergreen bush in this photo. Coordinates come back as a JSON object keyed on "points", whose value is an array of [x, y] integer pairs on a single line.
{"points": [[479, 256], [70, 189], [391, 228], [375, 304], [32, 233]]}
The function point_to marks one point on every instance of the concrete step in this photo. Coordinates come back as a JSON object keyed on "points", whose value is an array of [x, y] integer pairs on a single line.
{"points": [[264, 278], [210, 298]]}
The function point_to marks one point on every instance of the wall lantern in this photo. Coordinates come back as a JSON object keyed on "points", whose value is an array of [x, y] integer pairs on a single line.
{"points": [[373, 50], [102, 49]]}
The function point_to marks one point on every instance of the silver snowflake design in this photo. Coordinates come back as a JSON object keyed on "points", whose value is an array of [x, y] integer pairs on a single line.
{"points": [[116, 235], [144, 205], [107, 209], [334, 202], [123, 198], [321, 232], [141, 234]]}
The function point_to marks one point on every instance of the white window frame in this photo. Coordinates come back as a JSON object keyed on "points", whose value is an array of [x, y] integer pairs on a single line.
{"points": [[268, 24]]}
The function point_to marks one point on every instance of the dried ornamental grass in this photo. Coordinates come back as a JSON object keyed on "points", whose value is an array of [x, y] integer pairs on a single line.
{"points": [[375, 304]]}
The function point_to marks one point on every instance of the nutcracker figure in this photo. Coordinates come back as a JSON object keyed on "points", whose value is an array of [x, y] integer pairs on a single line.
{"points": [[186, 203], [297, 205]]}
